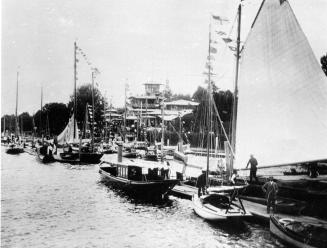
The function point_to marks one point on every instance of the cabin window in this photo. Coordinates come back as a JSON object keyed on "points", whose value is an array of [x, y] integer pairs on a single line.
{"points": [[122, 171]]}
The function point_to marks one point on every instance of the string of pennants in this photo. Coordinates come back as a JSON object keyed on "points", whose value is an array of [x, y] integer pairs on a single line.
{"points": [[218, 35], [79, 51]]}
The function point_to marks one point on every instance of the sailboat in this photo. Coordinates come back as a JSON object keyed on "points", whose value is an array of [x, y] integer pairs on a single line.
{"points": [[221, 202], [15, 147], [281, 93], [70, 135], [280, 111]]}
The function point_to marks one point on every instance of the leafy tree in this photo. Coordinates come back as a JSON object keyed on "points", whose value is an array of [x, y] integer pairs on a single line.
{"points": [[8, 122], [54, 117], [25, 122], [200, 94], [180, 96], [84, 96], [323, 61]]}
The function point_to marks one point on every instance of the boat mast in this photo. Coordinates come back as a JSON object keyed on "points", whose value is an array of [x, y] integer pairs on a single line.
{"points": [[4, 125], [93, 114], [209, 108], [41, 129], [110, 118], [125, 114], [236, 84], [75, 47], [162, 128], [16, 118], [104, 116]]}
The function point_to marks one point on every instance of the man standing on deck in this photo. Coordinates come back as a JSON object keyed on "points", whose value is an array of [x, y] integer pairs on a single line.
{"points": [[271, 189], [201, 183], [253, 169]]}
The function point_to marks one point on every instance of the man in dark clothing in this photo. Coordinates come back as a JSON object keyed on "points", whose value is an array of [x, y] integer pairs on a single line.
{"points": [[253, 169], [270, 188], [201, 183]]}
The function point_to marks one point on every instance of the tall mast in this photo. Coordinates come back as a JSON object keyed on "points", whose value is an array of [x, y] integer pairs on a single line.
{"points": [[125, 114], [93, 114], [110, 117], [41, 129], [162, 128], [209, 108], [104, 115], [16, 119], [4, 125], [236, 83], [75, 47]]}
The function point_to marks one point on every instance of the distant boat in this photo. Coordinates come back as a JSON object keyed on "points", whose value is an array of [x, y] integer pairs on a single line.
{"points": [[151, 154], [298, 234], [137, 181], [221, 204], [44, 155], [15, 147]]}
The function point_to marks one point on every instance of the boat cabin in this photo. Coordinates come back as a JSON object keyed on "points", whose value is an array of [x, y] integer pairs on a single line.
{"points": [[136, 173]]}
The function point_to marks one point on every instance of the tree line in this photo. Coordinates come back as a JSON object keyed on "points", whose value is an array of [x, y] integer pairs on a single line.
{"points": [[54, 116]]}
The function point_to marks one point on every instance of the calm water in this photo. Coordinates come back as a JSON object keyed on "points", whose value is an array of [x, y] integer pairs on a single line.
{"points": [[60, 205]]}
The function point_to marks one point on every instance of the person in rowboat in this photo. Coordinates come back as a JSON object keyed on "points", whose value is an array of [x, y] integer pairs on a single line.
{"points": [[271, 190], [253, 169]]}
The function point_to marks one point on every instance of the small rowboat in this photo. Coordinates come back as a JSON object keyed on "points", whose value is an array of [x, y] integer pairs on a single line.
{"points": [[298, 234]]}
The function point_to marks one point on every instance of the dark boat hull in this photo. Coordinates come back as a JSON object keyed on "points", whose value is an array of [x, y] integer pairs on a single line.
{"points": [[296, 238], [14, 150], [90, 158], [283, 205], [140, 189], [129, 154], [82, 158]]}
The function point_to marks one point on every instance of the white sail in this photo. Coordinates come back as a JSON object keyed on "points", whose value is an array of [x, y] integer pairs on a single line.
{"points": [[67, 136], [282, 107]]}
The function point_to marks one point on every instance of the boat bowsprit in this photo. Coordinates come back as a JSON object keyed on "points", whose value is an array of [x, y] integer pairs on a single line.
{"points": [[298, 234]]}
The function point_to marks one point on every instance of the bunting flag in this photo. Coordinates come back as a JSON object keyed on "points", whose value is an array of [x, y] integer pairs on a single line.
{"points": [[227, 40], [232, 48], [213, 50], [221, 33], [80, 51], [208, 66], [220, 19], [207, 81], [207, 73]]}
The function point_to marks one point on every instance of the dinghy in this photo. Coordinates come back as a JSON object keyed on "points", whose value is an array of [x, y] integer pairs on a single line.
{"points": [[221, 204], [298, 234]]}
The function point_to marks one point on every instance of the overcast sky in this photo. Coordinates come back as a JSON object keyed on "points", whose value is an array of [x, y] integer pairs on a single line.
{"points": [[133, 41]]}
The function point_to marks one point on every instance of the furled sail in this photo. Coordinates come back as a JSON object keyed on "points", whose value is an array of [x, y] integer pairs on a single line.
{"points": [[67, 136], [282, 107]]}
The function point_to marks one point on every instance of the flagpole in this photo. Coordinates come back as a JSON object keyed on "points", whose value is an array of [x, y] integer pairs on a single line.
{"points": [[16, 120], [93, 114], [75, 78]]}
